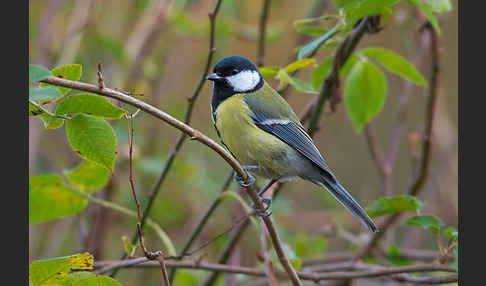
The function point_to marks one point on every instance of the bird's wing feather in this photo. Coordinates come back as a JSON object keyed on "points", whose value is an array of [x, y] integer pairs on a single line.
{"points": [[285, 125]]}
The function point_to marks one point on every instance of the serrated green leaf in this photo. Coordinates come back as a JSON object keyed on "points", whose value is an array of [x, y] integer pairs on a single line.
{"points": [[89, 104], [37, 73], [451, 233], [88, 177], [308, 48], [366, 8], [268, 71], [364, 93], [299, 64], [429, 13], [302, 86], [93, 139], [51, 122], [71, 72], [44, 94], [439, 6], [315, 19], [430, 222], [392, 205], [395, 64], [84, 278], [312, 30], [50, 198]]}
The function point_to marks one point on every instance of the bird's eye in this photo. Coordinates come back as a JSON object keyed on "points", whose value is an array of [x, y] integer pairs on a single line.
{"points": [[233, 72]]}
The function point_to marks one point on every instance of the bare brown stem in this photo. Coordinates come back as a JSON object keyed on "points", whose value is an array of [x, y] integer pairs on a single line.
{"points": [[365, 270], [262, 33], [150, 255]]}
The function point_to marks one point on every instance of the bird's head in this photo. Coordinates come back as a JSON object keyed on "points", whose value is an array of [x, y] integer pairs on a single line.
{"points": [[236, 74]]}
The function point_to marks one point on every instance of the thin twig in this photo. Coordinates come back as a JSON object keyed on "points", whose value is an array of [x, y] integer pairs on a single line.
{"points": [[376, 151], [262, 33], [366, 270], [419, 180], [150, 255]]}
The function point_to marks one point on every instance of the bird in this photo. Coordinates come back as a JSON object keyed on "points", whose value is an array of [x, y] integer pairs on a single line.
{"points": [[260, 129]]}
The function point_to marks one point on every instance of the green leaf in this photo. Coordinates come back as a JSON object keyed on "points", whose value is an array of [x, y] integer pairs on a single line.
{"points": [[394, 256], [93, 139], [364, 93], [392, 205], [37, 73], [88, 177], [34, 110], [299, 64], [451, 233], [366, 8], [55, 271], [51, 122], [284, 78], [84, 278], [71, 72], [430, 222], [319, 73], [395, 64], [50, 198], [268, 71], [439, 6], [345, 4], [44, 94], [302, 86], [308, 48], [312, 30], [312, 20], [89, 104], [429, 13]]}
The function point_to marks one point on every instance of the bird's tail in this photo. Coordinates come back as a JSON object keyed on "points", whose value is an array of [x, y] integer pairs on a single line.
{"points": [[347, 201]]}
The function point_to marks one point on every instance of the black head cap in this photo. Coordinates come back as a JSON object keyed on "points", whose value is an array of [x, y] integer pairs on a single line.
{"points": [[232, 65]]}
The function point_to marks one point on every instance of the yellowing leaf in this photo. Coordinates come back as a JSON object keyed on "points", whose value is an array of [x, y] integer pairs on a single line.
{"points": [[300, 64], [55, 271]]}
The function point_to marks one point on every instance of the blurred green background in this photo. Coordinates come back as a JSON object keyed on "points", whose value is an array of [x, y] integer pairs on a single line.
{"points": [[165, 64]]}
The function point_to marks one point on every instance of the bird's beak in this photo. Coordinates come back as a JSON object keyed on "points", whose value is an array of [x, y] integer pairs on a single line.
{"points": [[214, 77]]}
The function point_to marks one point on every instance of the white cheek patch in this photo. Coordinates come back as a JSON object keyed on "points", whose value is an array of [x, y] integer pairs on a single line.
{"points": [[244, 80]]}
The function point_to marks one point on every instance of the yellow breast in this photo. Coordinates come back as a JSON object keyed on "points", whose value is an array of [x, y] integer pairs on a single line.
{"points": [[248, 143]]}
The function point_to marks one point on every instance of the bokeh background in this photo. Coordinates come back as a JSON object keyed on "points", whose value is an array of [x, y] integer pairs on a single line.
{"points": [[159, 48]]}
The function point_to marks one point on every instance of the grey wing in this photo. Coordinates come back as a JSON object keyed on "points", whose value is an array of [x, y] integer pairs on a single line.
{"points": [[293, 135]]}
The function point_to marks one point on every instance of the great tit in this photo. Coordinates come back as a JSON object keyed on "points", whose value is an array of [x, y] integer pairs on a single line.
{"points": [[263, 133]]}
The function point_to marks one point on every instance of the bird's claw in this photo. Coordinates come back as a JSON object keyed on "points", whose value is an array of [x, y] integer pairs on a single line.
{"points": [[267, 203], [240, 180]]}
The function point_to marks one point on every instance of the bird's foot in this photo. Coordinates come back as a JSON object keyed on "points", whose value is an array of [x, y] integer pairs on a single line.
{"points": [[240, 181], [266, 211]]}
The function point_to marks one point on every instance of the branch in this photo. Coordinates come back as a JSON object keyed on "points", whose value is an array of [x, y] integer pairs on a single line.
{"points": [[366, 270], [262, 33], [419, 181], [194, 135], [376, 152], [331, 82], [150, 255]]}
